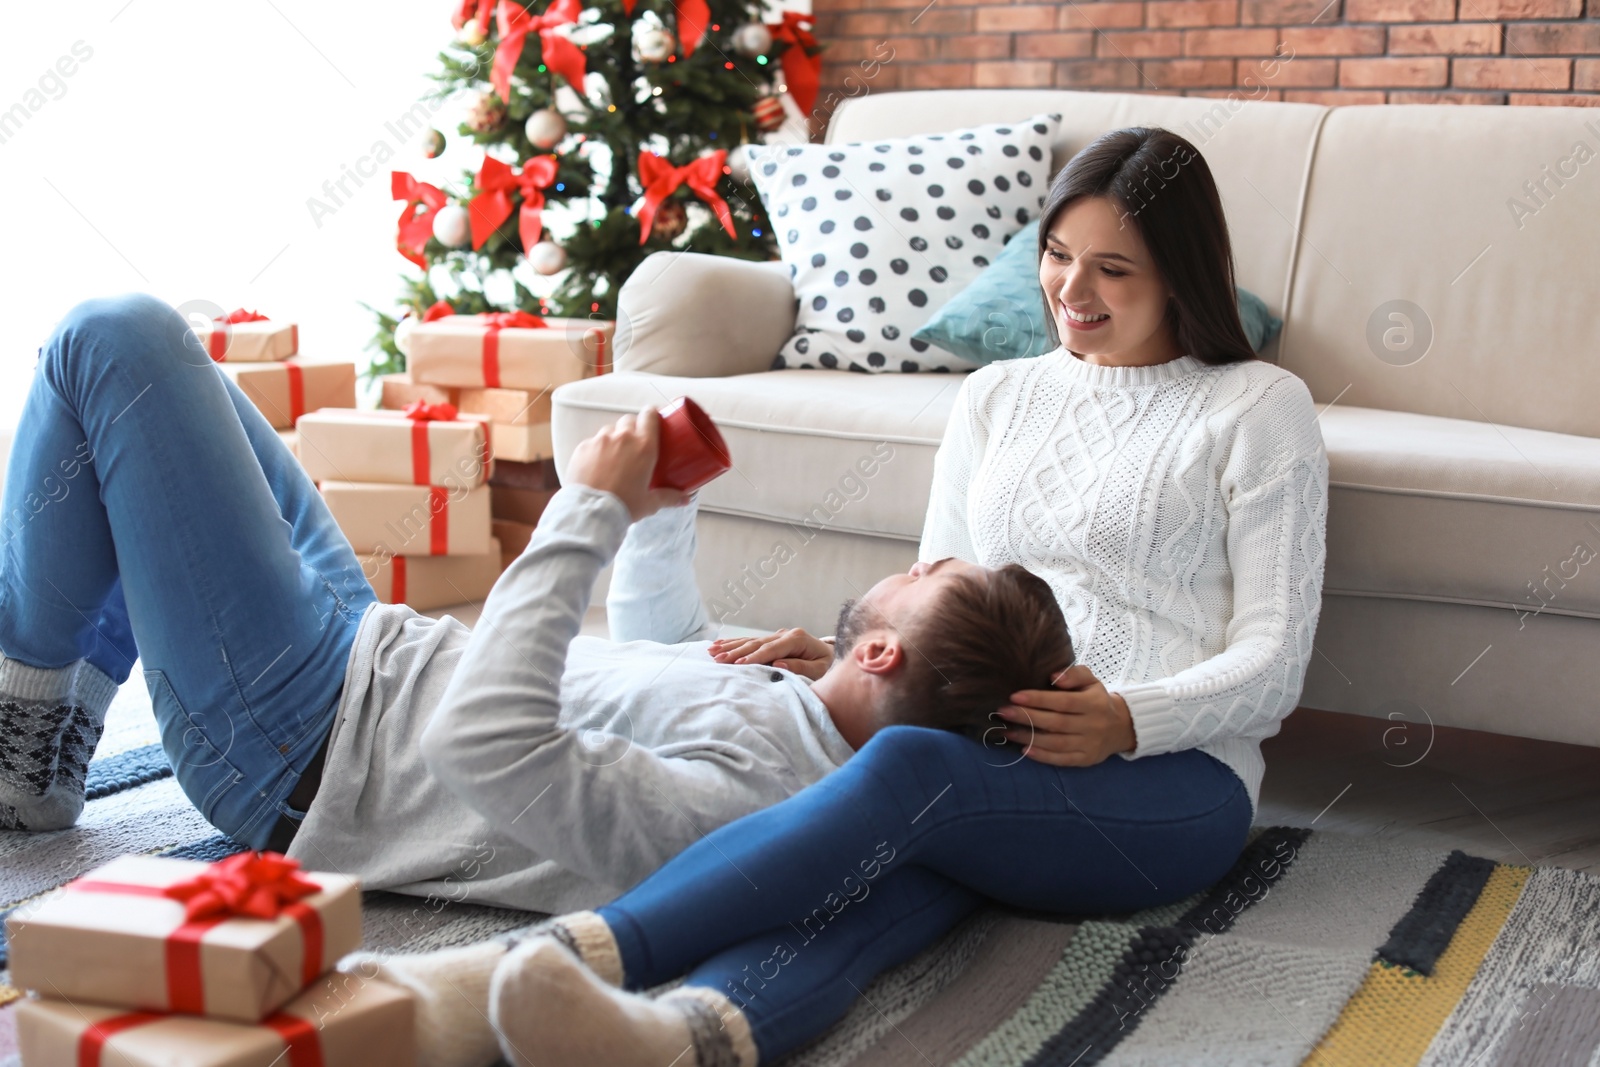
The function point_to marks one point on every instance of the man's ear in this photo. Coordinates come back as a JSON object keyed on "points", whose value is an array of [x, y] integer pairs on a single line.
{"points": [[878, 652]]}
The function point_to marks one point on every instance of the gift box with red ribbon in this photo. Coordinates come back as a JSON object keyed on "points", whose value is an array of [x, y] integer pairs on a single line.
{"points": [[283, 391], [428, 582], [410, 520], [399, 390], [233, 940], [344, 1020], [250, 337], [425, 444], [520, 421], [513, 350]]}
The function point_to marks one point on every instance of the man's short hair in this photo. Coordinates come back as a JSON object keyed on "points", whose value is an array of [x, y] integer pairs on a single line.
{"points": [[986, 637]]}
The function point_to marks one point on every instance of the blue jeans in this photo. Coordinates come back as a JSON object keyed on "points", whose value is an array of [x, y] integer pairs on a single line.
{"points": [[791, 911], [151, 513]]}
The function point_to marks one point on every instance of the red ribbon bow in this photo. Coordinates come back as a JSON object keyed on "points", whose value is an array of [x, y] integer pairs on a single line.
{"points": [[470, 10], [217, 342], [421, 411], [416, 226], [661, 179], [802, 60], [238, 315], [492, 205], [559, 53], [252, 885], [439, 310]]}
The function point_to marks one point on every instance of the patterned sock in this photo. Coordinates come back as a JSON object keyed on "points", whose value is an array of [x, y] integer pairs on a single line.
{"points": [[50, 723], [586, 936], [552, 1011], [451, 991]]}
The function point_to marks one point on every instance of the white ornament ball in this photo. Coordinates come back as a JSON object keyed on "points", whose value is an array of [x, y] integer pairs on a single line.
{"points": [[402, 335], [452, 226], [738, 164], [547, 257], [656, 45], [752, 39], [545, 128]]}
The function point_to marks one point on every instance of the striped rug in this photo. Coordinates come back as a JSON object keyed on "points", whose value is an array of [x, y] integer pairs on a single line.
{"points": [[1317, 948]]}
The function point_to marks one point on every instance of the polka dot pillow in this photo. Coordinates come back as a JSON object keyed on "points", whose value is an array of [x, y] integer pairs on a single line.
{"points": [[879, 234]]}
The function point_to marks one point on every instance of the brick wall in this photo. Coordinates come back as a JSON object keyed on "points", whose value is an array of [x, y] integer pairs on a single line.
{"points": [[1518, 52]]}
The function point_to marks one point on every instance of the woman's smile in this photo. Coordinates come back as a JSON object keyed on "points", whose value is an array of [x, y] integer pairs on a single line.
{"points": [[1076, 320]]}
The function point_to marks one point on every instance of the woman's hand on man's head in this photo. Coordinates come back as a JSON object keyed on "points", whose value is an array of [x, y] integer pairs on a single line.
{"points": [[1075, 724], [791, 650]]}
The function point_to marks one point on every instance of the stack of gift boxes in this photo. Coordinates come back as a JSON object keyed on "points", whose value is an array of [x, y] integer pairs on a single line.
{"points": [[262, 356], [440, 489], [150, 961]]}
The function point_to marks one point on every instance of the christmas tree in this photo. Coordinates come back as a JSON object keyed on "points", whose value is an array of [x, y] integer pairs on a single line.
{"points": [[611, 122]]}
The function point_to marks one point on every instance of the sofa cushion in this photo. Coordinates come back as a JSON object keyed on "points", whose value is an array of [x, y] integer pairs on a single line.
{"points": [[828, 449], [1427, 507]]}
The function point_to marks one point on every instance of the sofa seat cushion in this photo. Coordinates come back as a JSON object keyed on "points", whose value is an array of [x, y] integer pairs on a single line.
{"points": [[1433, 508], [829, 449]]}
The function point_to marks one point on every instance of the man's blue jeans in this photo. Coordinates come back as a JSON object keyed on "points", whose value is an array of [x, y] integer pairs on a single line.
{"points": [[151, 513], [791, 911]]}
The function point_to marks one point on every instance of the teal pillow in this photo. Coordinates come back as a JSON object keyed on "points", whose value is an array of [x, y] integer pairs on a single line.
{"points": [[1000, 315]]}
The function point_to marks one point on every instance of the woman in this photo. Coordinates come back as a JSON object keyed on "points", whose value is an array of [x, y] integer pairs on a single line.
{"points": [[1172, 490]]}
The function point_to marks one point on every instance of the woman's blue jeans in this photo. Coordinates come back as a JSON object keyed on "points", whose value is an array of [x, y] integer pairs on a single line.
{"points": [[150, 512], [791, 911]]}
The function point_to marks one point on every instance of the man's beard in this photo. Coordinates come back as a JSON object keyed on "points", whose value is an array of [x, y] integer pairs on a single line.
{"points": [[852, 620]]}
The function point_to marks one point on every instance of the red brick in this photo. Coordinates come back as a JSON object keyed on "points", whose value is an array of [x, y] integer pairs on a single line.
{"points": [[1138, 44], [1586, 75], [865, 24], [1287, 12], [1014, 73], [1164, 13], [1188, 73], [1404, 10], [1223, 94], [1333, 97], [1020, 17], [1054, 45], [1295, 74], [1421, 72], [1230, 42], [1522, 9], [1543, 75], [975, 46], [1554, 100], [1097, 74], [1573, 39], [1400, 97], [936, 76], [941, 20], [1332, 40], [1462, 38], [1104, 15]]}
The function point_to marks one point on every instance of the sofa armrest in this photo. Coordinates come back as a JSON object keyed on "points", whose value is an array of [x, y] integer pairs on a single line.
{"points": [[691, 315]]}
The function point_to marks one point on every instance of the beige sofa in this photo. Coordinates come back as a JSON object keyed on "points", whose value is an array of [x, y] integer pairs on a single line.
{"points": [[1461, 584]]}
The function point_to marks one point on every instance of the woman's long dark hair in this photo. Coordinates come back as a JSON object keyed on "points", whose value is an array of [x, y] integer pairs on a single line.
{"points": [[1161, 184]]}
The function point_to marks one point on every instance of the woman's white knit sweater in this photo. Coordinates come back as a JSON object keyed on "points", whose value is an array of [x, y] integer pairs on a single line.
{"points": [[1179, 513]]}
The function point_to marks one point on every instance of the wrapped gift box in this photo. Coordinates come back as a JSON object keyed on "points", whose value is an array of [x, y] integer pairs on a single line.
{"points": [[518, 505], [522, 444], [428, 582], [398, 390], [112, 937], [343, 1020], [249, 342], [540, 474], [410, 520], [350, 445], [511, 407], [284, 391], [465, 350], [513, 537]]}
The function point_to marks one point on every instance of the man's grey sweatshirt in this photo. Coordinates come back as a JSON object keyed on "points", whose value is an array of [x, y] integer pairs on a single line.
{"points": [[521, 764]]}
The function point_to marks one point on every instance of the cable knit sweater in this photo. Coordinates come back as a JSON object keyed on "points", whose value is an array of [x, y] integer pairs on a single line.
{"points": [[1179, 513]]}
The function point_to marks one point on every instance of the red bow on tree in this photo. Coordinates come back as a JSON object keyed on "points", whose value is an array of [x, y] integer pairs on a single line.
{"points": [[416, 226], [559, 53], [802, 60], [661, 179], [471, 10], [439, 310], [492, 205], [255, 885], [239, 315], [422, 411]]}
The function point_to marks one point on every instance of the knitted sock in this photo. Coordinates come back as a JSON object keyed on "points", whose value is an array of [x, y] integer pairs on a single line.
{"points": [[552, 1011], [50, 722], [451, 991]]}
